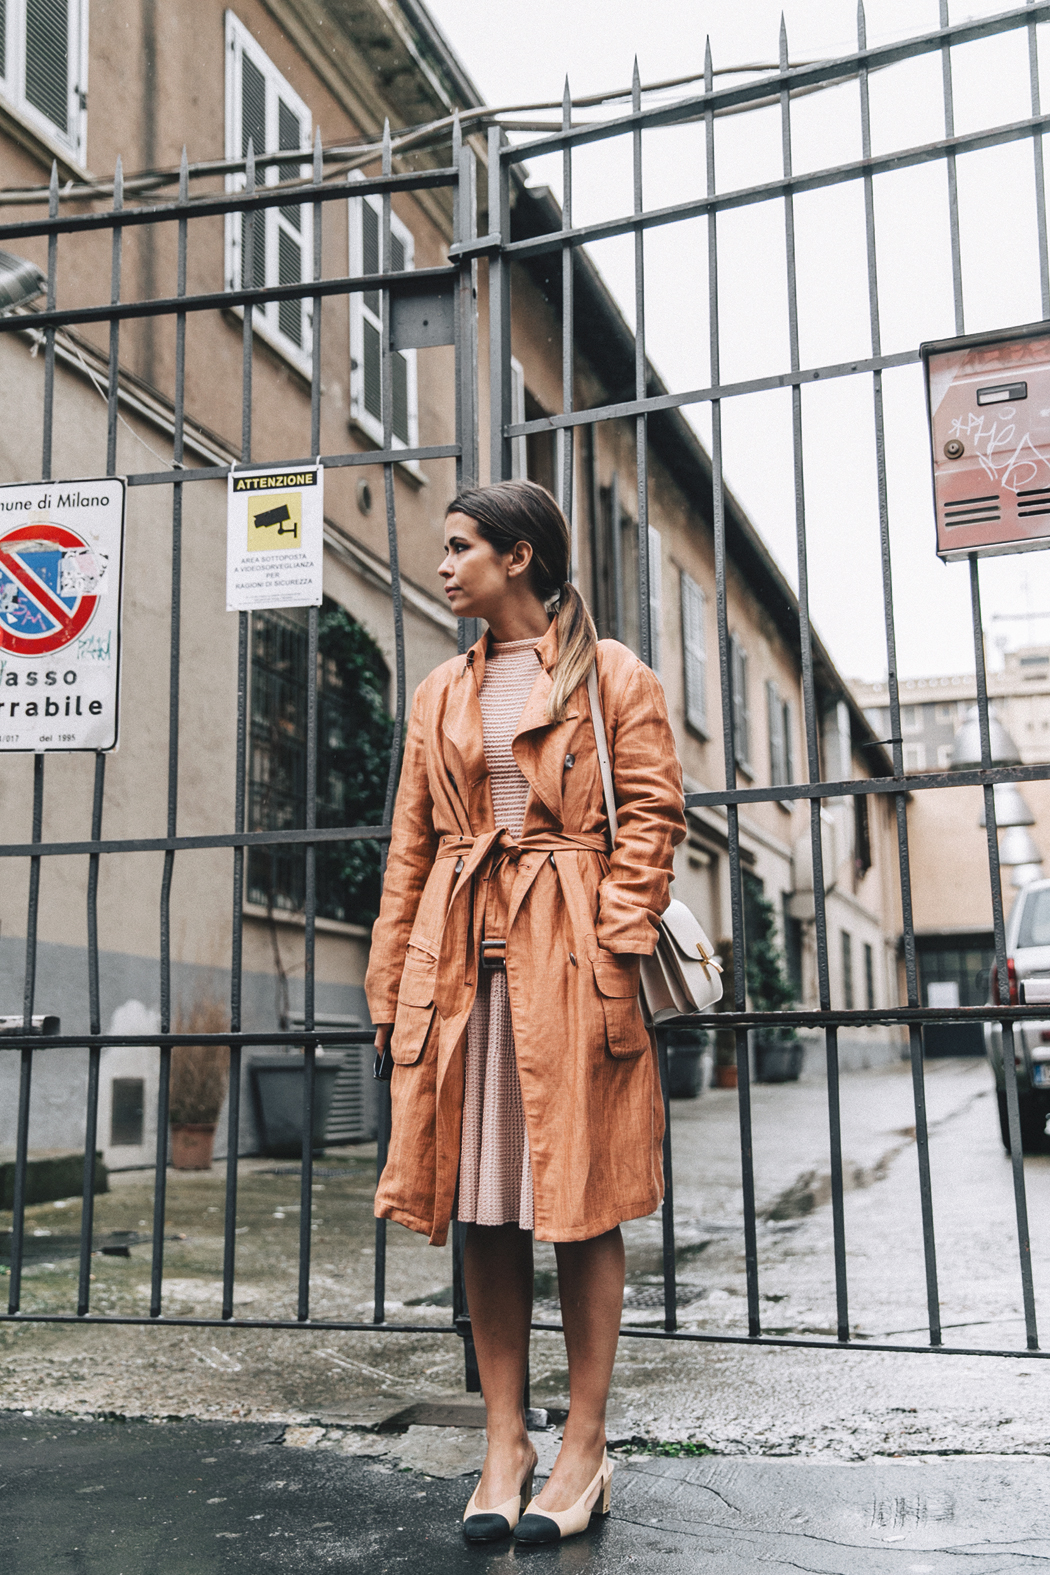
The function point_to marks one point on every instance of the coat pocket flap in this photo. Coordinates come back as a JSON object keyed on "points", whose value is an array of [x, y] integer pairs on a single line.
{"points": [[616, 973], [411, 1027], [417, 982], [684, 931]]}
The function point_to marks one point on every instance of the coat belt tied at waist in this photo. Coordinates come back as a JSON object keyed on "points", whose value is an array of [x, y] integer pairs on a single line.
{"points": [[483, 904]]}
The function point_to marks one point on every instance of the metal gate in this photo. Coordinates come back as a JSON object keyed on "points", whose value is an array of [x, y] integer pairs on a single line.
{"points": [[453, 288]]}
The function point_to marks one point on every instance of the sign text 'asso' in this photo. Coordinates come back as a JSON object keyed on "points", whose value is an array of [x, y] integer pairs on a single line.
{"points": [[274, 538], [61, 563]]}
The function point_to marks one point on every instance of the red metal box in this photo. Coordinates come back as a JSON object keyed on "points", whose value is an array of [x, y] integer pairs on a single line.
{"points": [[988, 398]]}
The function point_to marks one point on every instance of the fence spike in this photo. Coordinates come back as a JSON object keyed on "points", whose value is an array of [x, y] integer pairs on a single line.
{"points": [[184, 176], [862, 26], [118, 183], [783, 43], [318, 156], [566, 103], [249, 166], [52, 189], [387, 150], [636, 86], [709, 70], [457, 136]]}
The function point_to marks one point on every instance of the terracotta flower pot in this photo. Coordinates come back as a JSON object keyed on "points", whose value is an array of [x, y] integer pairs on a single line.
{"points": [[725, 1076], [191, 1145]]}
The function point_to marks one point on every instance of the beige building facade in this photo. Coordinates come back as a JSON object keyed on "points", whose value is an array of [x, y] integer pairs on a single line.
{"points": [[142, 82]]}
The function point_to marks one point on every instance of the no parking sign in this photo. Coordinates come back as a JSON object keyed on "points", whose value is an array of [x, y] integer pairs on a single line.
{"points": [[61, 557]]}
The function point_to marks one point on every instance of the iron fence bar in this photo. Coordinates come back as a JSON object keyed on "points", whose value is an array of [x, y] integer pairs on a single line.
{"points": [[564, 440], [696, 396], [718, 526], [641, 371], [812, 726], [771, 191], [499, 313], [667, 1241], [306, 1189], [1038, 168], [1024, 1244], [114, 328], [87, 1210], [616, 532], [233, 839], [25, 1074], [49, 334], [465, 227], [415, 282], [397, 604], [401, 456], [951, 172], [915, 1040], [696, 106], [244, 201], [812, 1017], [627, 1331]]}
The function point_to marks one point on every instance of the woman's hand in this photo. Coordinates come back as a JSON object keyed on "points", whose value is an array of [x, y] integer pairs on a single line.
{"points": [[382, 1039]]}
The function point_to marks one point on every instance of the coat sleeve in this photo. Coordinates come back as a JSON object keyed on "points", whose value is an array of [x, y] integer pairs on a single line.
{"points": [[647, 778], [413, 844]]}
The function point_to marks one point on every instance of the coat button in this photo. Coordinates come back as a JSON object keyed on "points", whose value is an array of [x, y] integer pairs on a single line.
{"points": [[572, 959]]}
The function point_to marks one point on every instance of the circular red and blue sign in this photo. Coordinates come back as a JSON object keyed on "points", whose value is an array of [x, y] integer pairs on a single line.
{"points": [[45, 599]]}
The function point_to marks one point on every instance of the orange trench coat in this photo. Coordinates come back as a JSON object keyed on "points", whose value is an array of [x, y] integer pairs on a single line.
{"points": [[574, 918]]}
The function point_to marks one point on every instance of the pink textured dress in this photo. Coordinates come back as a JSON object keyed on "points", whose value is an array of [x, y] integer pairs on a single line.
{"points": [[495, 1175]]}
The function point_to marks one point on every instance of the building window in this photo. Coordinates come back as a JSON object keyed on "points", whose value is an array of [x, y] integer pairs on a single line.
{"points": [[519, 461], [861, 836], [869, 976], [915, 757], [946, 713], [127, 1112], [694, 653], [847, 971], [911, 719], [43, 66], [945, 756], [738, 697], [366, 327], [353, 741], [655, 597], [781, 760], [262, 108]]}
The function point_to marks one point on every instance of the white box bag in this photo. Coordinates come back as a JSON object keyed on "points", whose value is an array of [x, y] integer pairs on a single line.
{"points": [[682, 976]]}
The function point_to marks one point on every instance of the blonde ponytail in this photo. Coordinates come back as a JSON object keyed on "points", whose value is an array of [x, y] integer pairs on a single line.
{"points": [[577, 644]]}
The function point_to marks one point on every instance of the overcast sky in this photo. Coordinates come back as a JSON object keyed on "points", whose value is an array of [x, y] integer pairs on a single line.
{"points": [[519, 51]]}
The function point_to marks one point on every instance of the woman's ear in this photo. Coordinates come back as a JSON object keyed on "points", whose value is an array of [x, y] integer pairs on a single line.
{"points": [[520, 558]]}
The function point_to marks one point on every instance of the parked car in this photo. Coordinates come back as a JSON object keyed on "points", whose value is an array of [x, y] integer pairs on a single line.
{"points": [[1027, 960]]}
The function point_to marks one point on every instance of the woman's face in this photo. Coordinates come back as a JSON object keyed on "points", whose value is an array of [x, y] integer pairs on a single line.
{"points": [[478, 579]]}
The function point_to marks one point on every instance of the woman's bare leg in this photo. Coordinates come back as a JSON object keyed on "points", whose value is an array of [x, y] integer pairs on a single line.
{"points": [[590, 1280], [497, 1264]]}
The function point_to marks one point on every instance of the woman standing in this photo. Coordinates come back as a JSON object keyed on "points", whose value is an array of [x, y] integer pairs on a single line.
{"points": [[504, 981]]}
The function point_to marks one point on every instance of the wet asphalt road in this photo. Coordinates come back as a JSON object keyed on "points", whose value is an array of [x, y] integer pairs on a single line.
{"points": [[136, 1498]]}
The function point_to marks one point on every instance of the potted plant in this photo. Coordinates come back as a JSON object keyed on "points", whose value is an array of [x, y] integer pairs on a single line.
{"points": [[778, 1051], [200, 1075]]}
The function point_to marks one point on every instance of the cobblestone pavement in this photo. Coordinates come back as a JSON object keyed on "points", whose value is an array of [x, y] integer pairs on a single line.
{"points": [[738, 1401]]}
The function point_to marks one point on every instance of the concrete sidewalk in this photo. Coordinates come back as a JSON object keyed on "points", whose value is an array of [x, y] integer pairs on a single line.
{"points": [[161, 1498]]}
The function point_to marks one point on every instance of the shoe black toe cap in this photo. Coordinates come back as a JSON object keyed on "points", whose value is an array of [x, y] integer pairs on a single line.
{"points": [[486, 1528], [537, 1528]]}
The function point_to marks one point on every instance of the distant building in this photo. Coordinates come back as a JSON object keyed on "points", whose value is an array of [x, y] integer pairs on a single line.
{"points": [[947, 844]]}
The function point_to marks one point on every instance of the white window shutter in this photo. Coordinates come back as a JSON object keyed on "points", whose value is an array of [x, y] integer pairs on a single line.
{"points": [[655, 597], [694, 653]]}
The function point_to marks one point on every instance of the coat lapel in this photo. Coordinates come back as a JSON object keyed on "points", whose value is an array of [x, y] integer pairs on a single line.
{"points": [[461, 725]]}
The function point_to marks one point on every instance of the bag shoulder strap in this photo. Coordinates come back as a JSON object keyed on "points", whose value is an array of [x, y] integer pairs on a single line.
{"points": [[602, 744]]}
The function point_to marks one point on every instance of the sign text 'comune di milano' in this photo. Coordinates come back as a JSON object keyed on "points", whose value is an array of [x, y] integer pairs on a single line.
{"points": [[274, 537], [61, 562]]}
